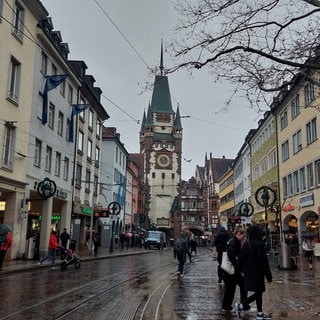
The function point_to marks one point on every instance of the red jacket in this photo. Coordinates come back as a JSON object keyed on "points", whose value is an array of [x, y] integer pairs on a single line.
{"points": [[53, 242], [8, 242]]}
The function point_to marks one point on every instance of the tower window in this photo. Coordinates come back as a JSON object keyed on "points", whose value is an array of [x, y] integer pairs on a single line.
{"points": [[163, 175], [153, 175]]}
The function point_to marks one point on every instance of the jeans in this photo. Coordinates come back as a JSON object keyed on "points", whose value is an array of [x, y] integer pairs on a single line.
{"points": [[181, 267], [52, 254]]}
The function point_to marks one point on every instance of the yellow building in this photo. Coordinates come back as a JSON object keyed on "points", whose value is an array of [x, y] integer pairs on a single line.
{"points": [[226, 200], [299, 158]]}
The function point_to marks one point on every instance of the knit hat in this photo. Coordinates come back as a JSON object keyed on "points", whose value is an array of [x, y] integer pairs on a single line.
{"points": [[222, 228]]}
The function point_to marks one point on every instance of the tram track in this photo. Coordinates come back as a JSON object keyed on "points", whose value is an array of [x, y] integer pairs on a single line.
{"points": [[89, 297]]}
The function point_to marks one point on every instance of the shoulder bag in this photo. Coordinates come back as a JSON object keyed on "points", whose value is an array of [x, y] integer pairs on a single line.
{"points": [[226, 264]]}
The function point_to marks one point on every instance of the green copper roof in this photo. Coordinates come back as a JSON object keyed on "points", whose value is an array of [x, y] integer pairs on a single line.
{"points": [[161, 100]]}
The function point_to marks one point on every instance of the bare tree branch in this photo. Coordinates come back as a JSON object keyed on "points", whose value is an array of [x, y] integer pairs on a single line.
{"points": [[260, 46]]}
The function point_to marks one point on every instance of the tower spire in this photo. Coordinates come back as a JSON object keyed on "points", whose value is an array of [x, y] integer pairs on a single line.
{"points": [[161, 59]]}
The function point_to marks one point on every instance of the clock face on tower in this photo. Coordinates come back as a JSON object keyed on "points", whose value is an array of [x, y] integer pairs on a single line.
{"points": [[163, 160]]}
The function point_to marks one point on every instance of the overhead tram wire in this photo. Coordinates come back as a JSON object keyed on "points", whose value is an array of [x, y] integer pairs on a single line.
{"points": [[122, 34]]}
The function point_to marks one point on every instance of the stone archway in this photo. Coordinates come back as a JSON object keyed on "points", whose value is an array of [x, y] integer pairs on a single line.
{"points": [[309, 222]]}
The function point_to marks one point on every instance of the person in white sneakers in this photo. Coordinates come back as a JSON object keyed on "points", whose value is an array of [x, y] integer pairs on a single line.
{"points": [[253, 262]]}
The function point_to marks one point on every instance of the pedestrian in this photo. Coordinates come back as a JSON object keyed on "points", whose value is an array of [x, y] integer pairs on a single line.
{"points": [[96, 241], [189, 235], [180, 251], [308, 246], [122, 239], [220, 242], [5, 245], [52, 247], [193, 246], [231, 281], [64, 237], [254, 264]]}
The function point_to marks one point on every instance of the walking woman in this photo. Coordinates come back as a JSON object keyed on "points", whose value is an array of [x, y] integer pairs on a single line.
{"points": [[254, 264]]}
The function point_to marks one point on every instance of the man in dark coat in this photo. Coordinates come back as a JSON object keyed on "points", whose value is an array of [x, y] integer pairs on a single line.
{"points": [[180, 252], [253, 262], [232, 280], [220, 242]]}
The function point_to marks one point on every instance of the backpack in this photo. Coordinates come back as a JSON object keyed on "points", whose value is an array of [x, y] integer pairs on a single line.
{"points": [[3, 238], [179, 247]]}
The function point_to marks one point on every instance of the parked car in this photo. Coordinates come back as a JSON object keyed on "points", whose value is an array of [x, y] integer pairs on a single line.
{"points": [[155, 239]]}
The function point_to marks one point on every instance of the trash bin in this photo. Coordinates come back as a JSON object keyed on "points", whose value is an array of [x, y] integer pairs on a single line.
{"points": [[285, 261], [72, 245]]}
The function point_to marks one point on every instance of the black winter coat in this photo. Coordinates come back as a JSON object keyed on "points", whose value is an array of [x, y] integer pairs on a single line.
{"points": [[254, 264], [220, 242], [233, 251]]}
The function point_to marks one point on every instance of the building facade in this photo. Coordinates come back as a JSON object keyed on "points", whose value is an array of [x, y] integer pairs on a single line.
{"points": [[161, 145]]}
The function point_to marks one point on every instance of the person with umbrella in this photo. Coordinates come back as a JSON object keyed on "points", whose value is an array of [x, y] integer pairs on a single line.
{"points": [[5, 242]]}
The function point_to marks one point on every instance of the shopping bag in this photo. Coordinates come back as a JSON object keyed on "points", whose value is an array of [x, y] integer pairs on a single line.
{"points": [[226, 264]]}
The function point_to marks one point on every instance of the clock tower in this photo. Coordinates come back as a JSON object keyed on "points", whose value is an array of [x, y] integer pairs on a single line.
{"points": [[161, 145]]}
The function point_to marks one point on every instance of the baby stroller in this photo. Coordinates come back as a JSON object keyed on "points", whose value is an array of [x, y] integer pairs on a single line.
{"points": [[69, 258]]}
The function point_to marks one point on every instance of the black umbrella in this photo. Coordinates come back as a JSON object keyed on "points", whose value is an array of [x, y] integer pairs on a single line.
{"points": [[308, 235], [4, 229]]}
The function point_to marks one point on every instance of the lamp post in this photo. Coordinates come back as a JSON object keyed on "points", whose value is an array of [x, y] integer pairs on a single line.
{"points": [[266, 197]]}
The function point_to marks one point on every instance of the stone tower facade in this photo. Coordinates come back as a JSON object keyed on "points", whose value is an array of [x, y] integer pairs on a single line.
{"points": [[161, 145]]}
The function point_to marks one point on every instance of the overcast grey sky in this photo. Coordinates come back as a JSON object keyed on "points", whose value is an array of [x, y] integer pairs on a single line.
{"points": [[122, 69]]}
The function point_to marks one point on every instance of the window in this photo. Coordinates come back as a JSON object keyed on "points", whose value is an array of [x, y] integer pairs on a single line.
{"points": [[81, 114], [296, 184], [163, 175], [285, 187], [153, 175], [98, 126], [255, 172], [80, 141], [317, 172], [78, 175], [297, 144], [14, 80], [95, 185], [290, 187], [309, 95], [48, 159], [311, 128], [285, 150], [90, 122], [8, 146], [263, 166], [68, 130], [88, 177], [97, 156], [70, 94], [302, 178], [283, 119], [44, 63], [66, 168], [310, 178], [51, 116], [37, 153], [272, 158], [172, 176], [89, 149], [295, 106], [60, 123], [63, 88], [57, 167], [18, 21]]}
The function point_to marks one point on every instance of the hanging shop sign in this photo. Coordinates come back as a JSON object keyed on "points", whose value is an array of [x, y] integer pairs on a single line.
{"points": [[46, 188], [289, 207]]}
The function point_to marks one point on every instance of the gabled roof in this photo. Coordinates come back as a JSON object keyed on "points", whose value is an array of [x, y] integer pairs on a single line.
{"points": [[220, 166]]}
